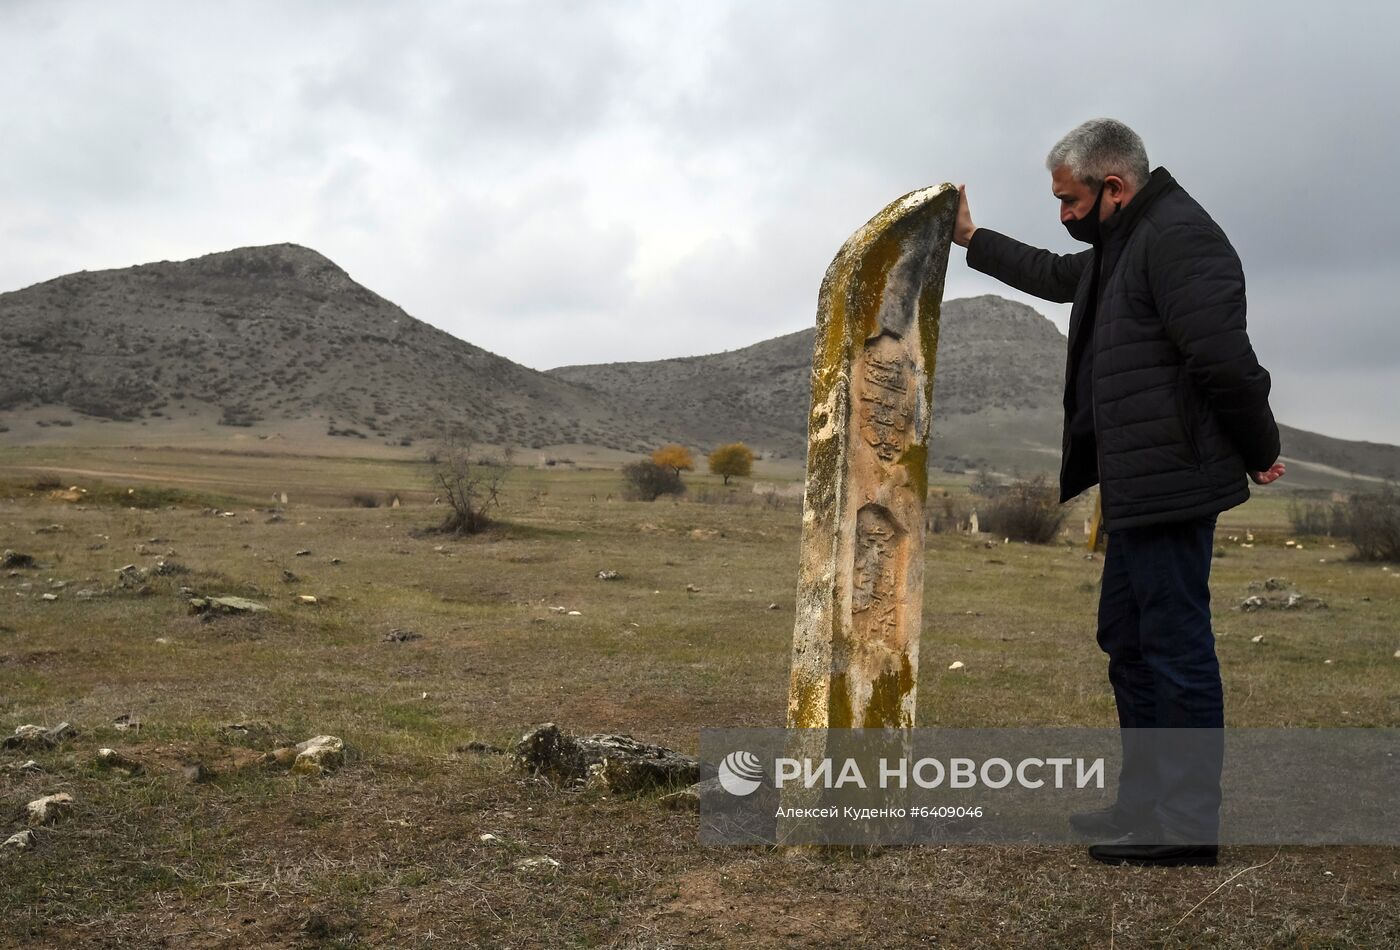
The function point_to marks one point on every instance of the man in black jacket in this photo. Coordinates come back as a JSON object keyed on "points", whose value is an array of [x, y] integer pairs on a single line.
{"points": [[1166, 409]]}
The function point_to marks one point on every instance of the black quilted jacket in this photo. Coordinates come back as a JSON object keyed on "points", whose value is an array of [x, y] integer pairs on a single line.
{"points": [[1180, 403]]}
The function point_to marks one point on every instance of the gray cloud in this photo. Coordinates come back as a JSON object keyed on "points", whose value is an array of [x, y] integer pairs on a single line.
{"points": [[576, 181]]}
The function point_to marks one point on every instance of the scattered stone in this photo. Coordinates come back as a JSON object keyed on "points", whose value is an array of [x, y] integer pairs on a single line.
{"points": [[1397, 654], [1292, 600], [29, 767], [401, 636], [608, 575], [52, 528], [288, 577], [303, 552], [559, 610], [537, 864], [308, 599], [87, 593], [19, 841], [488, 837], [169, 569], [275, 518], [319, 754], [336, 560], [575, 613], [16, 559], [30, 736], [225, 605], [114, 761], [124, 722], [195, 773], [49, 808], [48, 596], [704, 534], [772, 606], [130, 575], [691, 589], [617, 762], [312, 757], [1257, 638], [957, 665]]}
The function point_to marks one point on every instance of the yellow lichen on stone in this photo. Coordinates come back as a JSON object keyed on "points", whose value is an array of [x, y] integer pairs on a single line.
{"points": [[882, 290]]}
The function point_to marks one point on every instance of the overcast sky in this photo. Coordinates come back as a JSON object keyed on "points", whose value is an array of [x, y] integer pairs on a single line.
{"points": [[571, 182]]}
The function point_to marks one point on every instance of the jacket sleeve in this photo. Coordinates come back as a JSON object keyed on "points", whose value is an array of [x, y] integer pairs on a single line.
{"points": [[1032, 270], [1197, 285]]}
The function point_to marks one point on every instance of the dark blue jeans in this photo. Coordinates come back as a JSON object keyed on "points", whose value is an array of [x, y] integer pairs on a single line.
{"points": [[1154, 624]]}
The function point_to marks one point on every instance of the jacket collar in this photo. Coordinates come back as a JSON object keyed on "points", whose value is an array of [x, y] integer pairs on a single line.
{"points": [[1121, 224]]}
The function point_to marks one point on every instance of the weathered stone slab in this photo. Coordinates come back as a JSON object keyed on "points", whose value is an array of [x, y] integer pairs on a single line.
{"points": [[860, 587], [619, 763]]}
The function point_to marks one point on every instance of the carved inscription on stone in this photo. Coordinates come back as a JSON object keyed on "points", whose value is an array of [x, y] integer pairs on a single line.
{"points": [[886, 408], [878, 579]]}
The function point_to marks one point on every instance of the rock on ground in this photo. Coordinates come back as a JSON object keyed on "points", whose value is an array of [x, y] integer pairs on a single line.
{"points": [[49, 808], [30, 736], [620, 763], [314, 756], [19, 841], [225, 605]]}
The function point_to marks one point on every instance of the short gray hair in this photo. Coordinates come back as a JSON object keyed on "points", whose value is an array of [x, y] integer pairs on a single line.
{"points": [[1099, 148]]}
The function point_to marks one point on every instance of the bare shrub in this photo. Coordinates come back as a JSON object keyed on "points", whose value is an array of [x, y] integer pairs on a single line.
{"points": [[364, 500], [985, 485], [1373, 524], [468, 481], [1025, 510], [648, 481], [1324, 518]]}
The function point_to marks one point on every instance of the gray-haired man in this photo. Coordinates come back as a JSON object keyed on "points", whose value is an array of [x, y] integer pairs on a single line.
{"points": [[1166, 408]]}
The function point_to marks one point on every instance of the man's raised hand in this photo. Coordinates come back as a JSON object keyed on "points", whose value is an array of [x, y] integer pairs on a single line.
{"points": [[963, 226], [1274, 473]]}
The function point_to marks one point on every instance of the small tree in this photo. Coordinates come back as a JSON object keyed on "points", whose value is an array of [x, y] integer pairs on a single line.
{"points": [[733, 460], [984, 485], [468, 481], [647, 481], [675, 457]]}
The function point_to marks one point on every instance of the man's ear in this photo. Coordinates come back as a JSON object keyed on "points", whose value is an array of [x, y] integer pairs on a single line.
{"points": [[1113, 187]]}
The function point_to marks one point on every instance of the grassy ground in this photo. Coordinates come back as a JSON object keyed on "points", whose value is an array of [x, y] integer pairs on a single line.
{"points": [[387, 850]]}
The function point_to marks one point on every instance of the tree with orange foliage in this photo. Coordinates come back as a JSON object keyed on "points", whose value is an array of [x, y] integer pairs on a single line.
{"points": [[733, 460], [675, 457]]}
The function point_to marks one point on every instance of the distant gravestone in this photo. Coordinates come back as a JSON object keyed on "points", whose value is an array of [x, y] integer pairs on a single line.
{"points": [[973, 527], [860, 584], [283, 498], [396, 502]]}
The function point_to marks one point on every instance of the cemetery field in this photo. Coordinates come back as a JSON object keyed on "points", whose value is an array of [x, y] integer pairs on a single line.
{"points": [[388, 849]]}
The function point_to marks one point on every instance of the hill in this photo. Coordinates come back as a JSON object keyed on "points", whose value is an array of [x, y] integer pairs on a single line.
{"points": [[280, 343], [269, 338]]}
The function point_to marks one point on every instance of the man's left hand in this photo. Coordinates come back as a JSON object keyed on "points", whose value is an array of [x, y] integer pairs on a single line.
{"points": [[1274, 473]]}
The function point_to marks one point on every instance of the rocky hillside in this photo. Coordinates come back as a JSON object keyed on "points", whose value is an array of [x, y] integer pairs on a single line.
{"points": [[261, 336], [278, 340], [999, 363]]}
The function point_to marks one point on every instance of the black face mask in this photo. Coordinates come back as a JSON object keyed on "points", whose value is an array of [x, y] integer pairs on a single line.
{"points": [[1086, 229]]}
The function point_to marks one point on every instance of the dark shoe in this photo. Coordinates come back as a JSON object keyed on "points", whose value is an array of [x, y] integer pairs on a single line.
{"points": [[1104, 823], [1150, 851]]}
